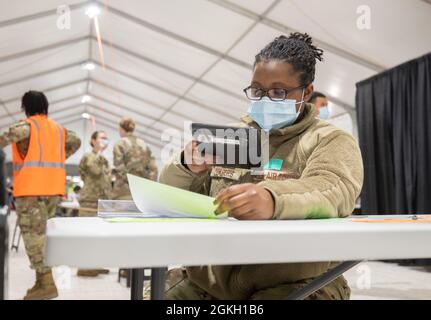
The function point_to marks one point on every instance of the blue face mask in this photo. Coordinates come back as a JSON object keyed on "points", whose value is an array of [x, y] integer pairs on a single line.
{"points": [[270, 114], [323, 112], [104, 143]]}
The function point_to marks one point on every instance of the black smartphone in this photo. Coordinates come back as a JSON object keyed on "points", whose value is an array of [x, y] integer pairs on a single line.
{"points": [[234, 147]]}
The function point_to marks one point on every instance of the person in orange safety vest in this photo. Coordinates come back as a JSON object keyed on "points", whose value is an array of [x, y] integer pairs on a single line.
{"points": [[40, 147]]}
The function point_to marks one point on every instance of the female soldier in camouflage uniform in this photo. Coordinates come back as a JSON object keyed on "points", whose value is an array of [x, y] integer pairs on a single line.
{"points": [[95, 172], [131, 155]]}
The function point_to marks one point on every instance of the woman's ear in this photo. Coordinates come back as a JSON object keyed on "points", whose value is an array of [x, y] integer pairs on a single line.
{"points": [[308, 91]]}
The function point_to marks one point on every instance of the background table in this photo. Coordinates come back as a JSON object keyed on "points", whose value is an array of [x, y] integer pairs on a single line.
{"points": [[94, 243]]}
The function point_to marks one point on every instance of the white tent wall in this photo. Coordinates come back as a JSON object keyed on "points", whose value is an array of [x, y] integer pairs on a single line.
{"points": [[171, 61]]}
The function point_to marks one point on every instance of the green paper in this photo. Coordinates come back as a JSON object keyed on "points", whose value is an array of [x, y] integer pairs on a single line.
{"points": [[318, 213], [157, 198]]}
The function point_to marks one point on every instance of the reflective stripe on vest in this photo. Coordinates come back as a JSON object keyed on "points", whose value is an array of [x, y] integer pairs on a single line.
{"points": [[38, 164]]}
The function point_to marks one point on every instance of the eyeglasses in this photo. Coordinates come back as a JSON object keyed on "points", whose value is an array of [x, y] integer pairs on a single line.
{"points": [[274, 94]]}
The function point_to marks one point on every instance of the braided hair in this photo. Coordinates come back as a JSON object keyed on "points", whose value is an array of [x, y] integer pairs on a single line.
{"points": [[298, 50]]}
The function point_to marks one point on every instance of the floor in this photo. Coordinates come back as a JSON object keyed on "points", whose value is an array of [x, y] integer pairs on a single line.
{"points": [[368, 280]]}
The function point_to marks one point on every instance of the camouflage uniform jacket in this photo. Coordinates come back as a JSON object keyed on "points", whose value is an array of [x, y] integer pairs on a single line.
{"points": [[132, 155], [95, 172]]}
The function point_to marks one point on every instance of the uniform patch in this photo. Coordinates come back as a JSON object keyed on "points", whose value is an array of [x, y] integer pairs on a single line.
{"points": [[275, 175], [229, 173], [274, 164]]}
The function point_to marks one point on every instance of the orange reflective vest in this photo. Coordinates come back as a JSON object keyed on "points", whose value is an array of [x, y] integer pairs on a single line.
{"points": [[41, 172]]}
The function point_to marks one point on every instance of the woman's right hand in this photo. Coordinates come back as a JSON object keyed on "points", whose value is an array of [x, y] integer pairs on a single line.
{"points": [[195, 161]]}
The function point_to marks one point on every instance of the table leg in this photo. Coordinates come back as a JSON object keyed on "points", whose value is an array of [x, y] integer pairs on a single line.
{"points": [[129, 278], [158, 276], [322, 280], [137, 289]]}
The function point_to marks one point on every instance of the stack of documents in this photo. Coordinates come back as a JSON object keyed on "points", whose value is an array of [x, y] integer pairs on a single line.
{"points": [[118, 208], [156, 200]]}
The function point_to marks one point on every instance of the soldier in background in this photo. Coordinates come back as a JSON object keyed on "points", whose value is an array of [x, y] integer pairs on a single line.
{"points": [[40, 147], [131, 155], [95, 172], [320, 101]]}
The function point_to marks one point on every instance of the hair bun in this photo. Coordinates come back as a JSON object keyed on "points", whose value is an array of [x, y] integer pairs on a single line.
{"points": [[127, 124]]}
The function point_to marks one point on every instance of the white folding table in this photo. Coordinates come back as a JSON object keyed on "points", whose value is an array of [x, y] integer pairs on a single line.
{"points": [[95, 243]]}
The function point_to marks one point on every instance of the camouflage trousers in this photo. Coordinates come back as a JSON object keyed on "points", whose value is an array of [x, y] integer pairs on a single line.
{"points": [[33, 213], [179, 287]]}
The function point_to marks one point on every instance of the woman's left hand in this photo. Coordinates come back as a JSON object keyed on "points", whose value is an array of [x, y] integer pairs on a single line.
{"points": [[246, 201]]}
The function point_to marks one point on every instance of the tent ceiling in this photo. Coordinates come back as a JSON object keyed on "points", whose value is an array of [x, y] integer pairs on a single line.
{"points": [[167, 62]]}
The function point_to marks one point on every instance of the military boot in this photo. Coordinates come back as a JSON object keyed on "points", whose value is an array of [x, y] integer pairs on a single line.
{"points": [[91, 272], [103, 271], [36, 284], [43, 289]]}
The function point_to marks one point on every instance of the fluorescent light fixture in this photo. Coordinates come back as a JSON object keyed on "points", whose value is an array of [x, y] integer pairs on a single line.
{"points": [[86, 98], [89, 66], [92, 11], [85, 115]]}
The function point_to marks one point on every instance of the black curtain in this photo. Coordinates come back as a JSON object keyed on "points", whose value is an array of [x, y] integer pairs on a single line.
{"points": [[394, 118]]}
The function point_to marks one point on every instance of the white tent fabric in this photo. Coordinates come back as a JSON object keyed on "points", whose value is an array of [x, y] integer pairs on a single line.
{"points": [[168, 61]]}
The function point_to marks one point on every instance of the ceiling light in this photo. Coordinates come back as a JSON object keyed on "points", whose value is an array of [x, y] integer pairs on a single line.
{"points": [[92, 11], [86, 98], [85, 115], [89, 66]]}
